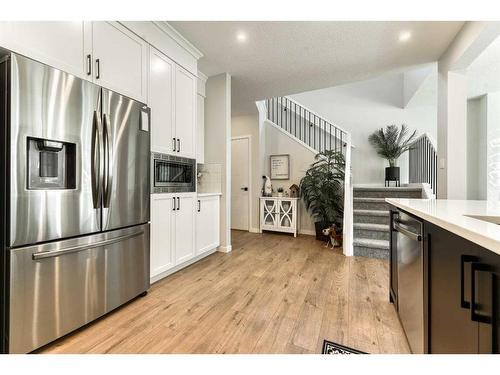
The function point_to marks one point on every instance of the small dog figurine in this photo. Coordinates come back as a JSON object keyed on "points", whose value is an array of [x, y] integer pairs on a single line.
{"points": [[335, 240]]}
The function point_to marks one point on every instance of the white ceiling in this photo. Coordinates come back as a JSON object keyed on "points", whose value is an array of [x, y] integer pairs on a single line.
{"points": [[282, 58]]}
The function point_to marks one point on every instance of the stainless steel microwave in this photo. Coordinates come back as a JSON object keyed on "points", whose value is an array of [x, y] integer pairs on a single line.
{"points": [[172, 174]]}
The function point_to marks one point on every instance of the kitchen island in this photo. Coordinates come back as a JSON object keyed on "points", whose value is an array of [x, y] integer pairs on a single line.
{"points": [[446, 253]]}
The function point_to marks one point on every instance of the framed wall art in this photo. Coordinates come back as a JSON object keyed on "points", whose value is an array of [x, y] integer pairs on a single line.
{"points": [[280, 167]]}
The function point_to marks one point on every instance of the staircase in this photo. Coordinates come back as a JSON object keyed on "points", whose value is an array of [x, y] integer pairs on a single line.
{"points": [[371, 218]]}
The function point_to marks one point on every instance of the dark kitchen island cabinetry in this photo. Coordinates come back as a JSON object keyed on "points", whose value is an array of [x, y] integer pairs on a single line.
{"points": [[462, 292]]}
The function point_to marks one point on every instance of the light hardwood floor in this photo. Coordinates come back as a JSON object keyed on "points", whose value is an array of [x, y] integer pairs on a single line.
{"points": [[271, 294]]}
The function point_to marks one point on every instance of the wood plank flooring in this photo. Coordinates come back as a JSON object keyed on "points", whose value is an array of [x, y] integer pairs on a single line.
{"points": [[272, 294]]}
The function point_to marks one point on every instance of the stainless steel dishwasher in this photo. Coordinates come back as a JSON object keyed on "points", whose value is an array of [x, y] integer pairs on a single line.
{"points": [[410, 279]]}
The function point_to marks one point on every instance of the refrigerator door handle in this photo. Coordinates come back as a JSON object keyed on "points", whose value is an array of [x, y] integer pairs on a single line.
{"points": [[96, 164], [108, 155], [74, 249]]}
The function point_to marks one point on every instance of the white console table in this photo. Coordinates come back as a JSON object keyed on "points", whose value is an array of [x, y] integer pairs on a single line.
{"points": [[279, 214]]}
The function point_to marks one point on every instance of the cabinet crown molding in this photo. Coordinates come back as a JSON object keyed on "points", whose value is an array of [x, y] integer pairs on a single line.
{"points": [[175, 35]]}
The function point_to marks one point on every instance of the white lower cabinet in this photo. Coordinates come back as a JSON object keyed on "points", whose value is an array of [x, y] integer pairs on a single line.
{"points": [[279, 214], [173, 229], [207, 224]]}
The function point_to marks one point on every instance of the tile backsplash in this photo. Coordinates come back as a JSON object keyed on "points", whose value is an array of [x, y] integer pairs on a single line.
{"points": [[209, 178]]}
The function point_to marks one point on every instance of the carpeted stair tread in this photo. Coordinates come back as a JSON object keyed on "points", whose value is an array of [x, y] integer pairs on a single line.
{"points": [[371, 226], [371, 212], [370, 200], [374, 244]]}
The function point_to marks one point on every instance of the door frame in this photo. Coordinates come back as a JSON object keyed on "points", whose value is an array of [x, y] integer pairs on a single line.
{"points": [[250, 190]]}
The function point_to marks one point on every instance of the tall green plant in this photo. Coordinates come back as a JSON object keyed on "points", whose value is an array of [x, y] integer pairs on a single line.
{"points": [[322, 188], [391, 142]]}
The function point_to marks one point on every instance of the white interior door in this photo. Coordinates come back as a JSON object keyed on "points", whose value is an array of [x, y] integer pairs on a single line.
{"points": [[240, 184]]}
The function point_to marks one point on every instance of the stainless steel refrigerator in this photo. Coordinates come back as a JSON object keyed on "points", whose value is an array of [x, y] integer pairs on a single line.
{"points": [[74, 191]]}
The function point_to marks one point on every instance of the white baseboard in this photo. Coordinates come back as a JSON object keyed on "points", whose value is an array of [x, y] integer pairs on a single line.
{"points": [[308, 232], [225, 249], [254, 230], [172, 270]]}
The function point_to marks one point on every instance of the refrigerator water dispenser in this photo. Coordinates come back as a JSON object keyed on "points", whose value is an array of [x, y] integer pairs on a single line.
{"points": [[51, 164]]}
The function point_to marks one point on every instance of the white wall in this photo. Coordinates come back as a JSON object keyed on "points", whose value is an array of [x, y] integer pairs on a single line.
{"points": [[476, 148], [249, 125], [300, 160], [363, 107], [218, 144]]}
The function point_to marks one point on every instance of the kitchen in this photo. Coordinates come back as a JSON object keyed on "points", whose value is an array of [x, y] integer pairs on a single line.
{"points": [[104, 202]]}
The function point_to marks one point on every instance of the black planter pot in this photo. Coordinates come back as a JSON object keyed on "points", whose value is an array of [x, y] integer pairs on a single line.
{"points": [[319, 226], [392, 174]]}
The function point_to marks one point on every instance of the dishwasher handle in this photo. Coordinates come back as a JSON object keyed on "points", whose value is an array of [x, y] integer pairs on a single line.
{"points": [[406, 232]]}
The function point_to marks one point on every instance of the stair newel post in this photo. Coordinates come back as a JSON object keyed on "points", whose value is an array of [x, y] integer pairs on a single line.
{"points": [[348, 231]]}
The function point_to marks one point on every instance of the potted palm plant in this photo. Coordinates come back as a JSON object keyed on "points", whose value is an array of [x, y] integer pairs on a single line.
{"points": [[322, 190], [390, 143]]}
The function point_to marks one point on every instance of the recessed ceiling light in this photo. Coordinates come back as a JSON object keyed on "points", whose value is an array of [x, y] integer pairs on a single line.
{"points": [[404, 36], [241, 37]]}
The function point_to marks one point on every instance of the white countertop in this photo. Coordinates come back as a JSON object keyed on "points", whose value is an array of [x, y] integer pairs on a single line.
{"points": [[208, 194], [449, 215]]}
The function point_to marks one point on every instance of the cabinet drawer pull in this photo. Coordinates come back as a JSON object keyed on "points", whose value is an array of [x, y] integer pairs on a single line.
{"points": [[476, 267], [464, 259]]}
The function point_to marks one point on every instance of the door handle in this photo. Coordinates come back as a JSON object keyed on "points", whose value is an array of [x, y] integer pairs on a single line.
{"points": [[173, 139], [74, 249], [464, 259], [178, 145], [96, 162], [244, 188], [108, 154], [97, 68], [178, 203], [476, 267], [89, 64], [199, 205], [407, 233], [173, 204]]}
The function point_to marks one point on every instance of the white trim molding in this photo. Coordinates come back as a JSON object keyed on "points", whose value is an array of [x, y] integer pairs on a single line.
{"points": [[250, 180], [225, 249], [175, 35]]}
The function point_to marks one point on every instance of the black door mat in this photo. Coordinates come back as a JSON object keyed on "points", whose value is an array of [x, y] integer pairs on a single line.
{"points": [[334, 348]]}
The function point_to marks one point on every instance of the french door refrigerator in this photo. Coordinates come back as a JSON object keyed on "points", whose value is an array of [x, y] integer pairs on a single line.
{"points": [[74, 184]]}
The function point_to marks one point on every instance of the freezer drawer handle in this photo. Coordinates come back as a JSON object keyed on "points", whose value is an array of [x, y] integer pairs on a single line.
{"points": [[74, 249], [406, 232]]}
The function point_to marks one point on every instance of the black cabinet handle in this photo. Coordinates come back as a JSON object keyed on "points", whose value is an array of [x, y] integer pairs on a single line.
{"points": [[89, 64], [173, 139], [178, 145], [97, 68], [464, 259], [199, 205], [173, 200], [475, 267], [178, 203]]}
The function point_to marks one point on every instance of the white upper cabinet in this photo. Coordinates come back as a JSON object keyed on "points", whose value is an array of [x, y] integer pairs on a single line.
{"points": [[120, 60], [62, 45], [185, 112], [161, 101]]}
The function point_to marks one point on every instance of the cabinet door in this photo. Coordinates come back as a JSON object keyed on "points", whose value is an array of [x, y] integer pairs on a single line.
{"points": [[162, 225], [200, 129], [161, 101], [450, 324], [62, 45], [487, 300], [287, 214], [185, 112], [120, 59], [185, 227], [269, 213], [207, 224]]}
